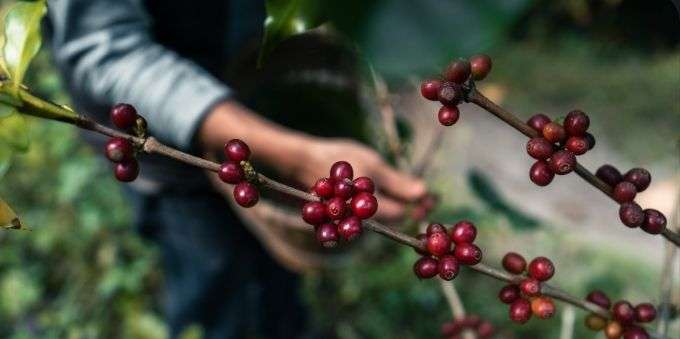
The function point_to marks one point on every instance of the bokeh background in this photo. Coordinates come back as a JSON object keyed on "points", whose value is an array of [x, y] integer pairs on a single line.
{"points": [[82, 272]]}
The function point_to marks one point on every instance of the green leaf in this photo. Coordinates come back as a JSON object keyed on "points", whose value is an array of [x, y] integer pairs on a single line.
{"points": [[22, 37], [5, 158], [14, 132]]}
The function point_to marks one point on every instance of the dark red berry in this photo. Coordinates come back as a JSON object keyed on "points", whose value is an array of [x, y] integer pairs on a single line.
{"points": [[364, 205], [448, 115], [324, 188], [450, 94], [246, 194], [236, 150], [327, 235], [514, 263], [422, 238], [451, 329], [655, 221], [231, 173], [468, 254], [577, 145], [119, 150], [426, 267], [336, 208], [350, 228], [438, 243], [541, 268], [430, 89], [540, 173], [543, 307], [314, 213], [539, 148], [435, 228], [530, 287], [480, 66], [341, 170], [590, 139], [631, 214], [448, 267], [599, 298], [344, 188], [509, 293], [520, 311], [562, 162], [609, 174], [635, 332], [554, 132], [623, 312], [123, 116], [538, 121], [457, 71], [645, 313], [127, 171], [624, 192], [639, 177], [485, 330], [364, 184], [463, 231], [576, 123]]}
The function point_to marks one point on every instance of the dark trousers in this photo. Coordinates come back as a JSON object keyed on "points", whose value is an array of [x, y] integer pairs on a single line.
{"points": [[217, 275]]}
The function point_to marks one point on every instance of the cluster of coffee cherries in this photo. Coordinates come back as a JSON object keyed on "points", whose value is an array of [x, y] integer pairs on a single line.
{"points": [[231, 171], [454, 329], [345, 202], [626, 318], [556, 147], [120, 150], [439, 257], [526, 298], [449, 90], [625, 188]]}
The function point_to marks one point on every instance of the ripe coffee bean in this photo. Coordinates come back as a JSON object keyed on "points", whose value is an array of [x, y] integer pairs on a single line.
{"points": [[645, 313], [639, 177], [613, 330], [623, 312], [341, 170], [590, 139], [467, 254], [448, 115], [654, 223], [237, 150], [435, 228], [538, 121], [448, 267], [554, 132], [324, 188], [541, 269], [314, 213], [543, 307], [350, 228], [463, 232], [343, 188], [509, 293], [480, 66], [539, 148], [336, 208], [631, 214], [327, 234], [364, 184], [364, 205], [562, 162], [530, 287], [609, 174], [119, 150], [595, 322], [430, 89], [246, 194], [127, 171], [485, 330], [457, 71], [422, 238], [438, 243], [577, 145], [514, 263], [576, 123], [123, 116], [520, 311], [426, 267], [541, 174], [450, 94], [231, 173], [599, 298], [624, 192], [635, 332]]}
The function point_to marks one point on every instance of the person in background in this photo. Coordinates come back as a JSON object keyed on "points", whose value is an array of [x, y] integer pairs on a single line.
{"points": [[165, 58]]}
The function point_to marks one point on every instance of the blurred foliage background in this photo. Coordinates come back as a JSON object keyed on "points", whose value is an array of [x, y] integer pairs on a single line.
{"points": [[82, 272]]}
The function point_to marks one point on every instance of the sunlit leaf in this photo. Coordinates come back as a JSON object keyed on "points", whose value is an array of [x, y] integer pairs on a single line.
{"points": [[22, 37], [14, 132], [8, 219]]}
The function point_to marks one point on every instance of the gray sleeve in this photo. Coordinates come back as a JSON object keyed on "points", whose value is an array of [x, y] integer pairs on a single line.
{"points": [[106, 51]]}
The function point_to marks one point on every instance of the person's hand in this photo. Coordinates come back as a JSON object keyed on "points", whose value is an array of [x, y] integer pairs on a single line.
{"points": [[394, 188]]}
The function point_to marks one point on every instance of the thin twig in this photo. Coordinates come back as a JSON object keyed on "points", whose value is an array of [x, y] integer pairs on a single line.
{"points": [[456, 305], [388, 118], [421, 167]]}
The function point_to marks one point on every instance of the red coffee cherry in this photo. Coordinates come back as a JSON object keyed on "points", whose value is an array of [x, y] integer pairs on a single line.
{"points": [[624, 192], [554, 132], [520, 311], [543, 307], [530, 287], [127, 171], [541, 174], [539, 148], [562, 162], [450, 94], [341, 170], [246, 194], [119, 150], [645, 313], [336, 208], [639, 177], [314, 213], [364, 205], [538, 121], [448, 267], [541, 269], [577, 145], [654, 222], [350, 228], [435, 228], [613, 330], [635, 332], [422, 238], [343, 188], [324, 188], [576, 123], [426, 267], [448, 115], [364, 184], [231, 173], [236, 150], [457, 71], [438, 243], [623, 312], [467, 254], [451, 329], [595, 322], [590, 139], [485, 330], [509, 293], [123, 116], [327, 234], [463, 232], [609, 174], [430, 89], [514, 263], [480, 66], [599, 298], [631, 214]]}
